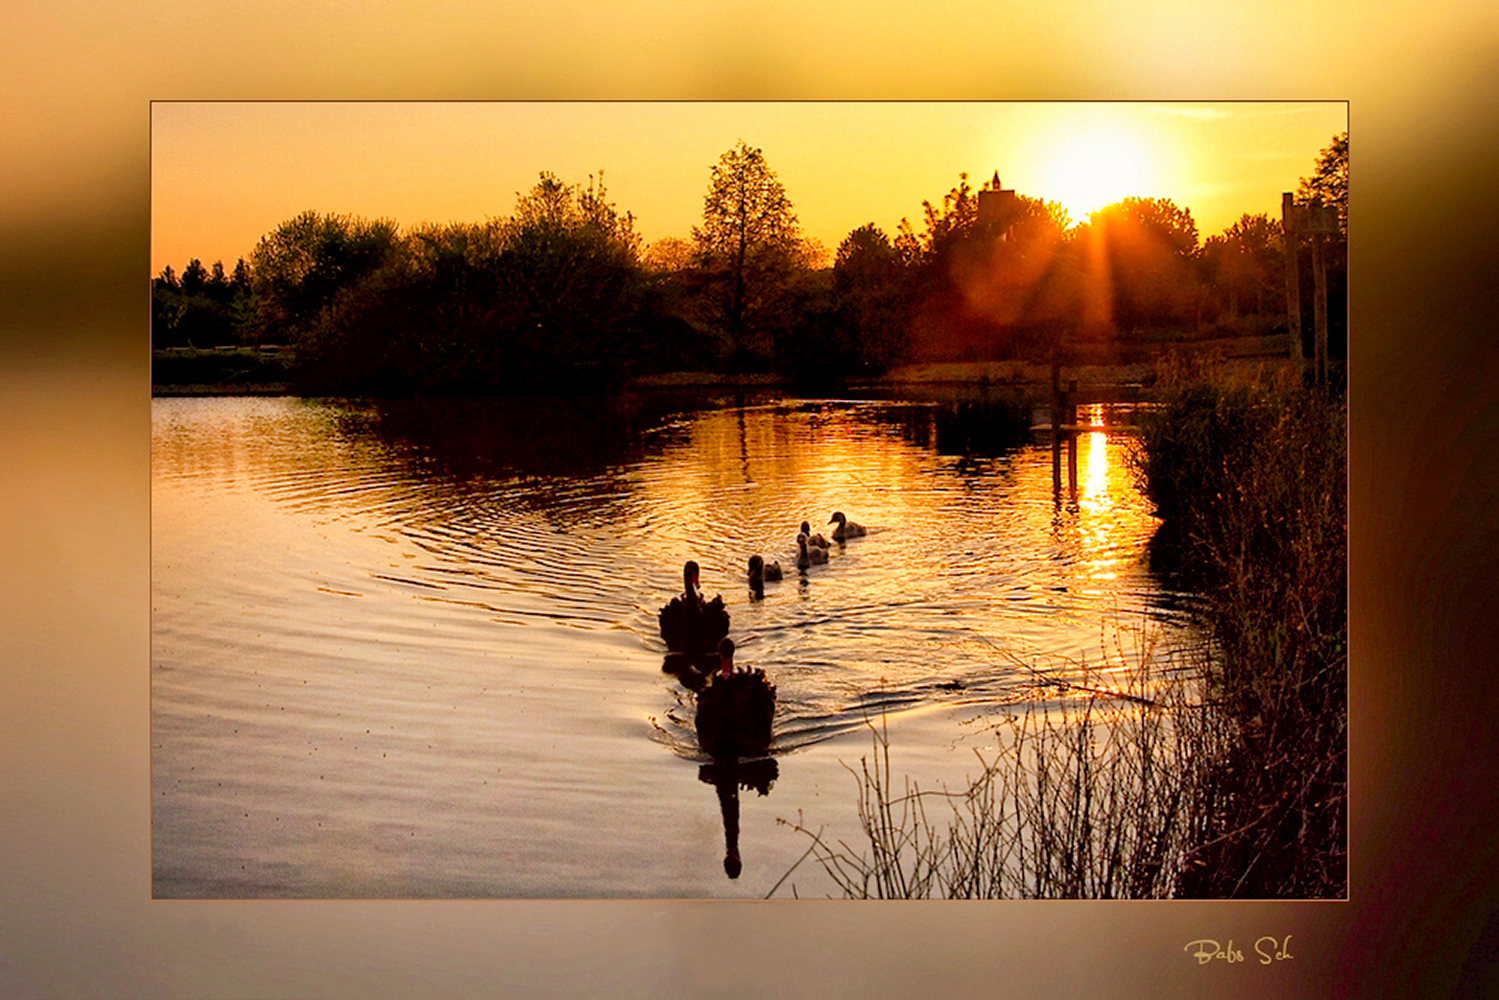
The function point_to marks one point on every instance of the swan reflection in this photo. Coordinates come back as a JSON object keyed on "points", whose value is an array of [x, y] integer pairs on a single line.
{"points": [[733, 719], [728, 777]]}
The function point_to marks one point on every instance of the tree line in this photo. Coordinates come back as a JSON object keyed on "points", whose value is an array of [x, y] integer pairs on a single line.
{"points": [[563, 294]]}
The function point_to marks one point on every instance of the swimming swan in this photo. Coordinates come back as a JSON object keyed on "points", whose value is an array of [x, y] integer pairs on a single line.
{"points": [[735, 710], [815, 540], [688, 623], [846, 529], [761, 571], [808, 555]]}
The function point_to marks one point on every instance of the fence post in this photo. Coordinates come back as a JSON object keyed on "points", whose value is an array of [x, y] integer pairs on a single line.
{"points": [[1288, 230], [1319, 306], [1072, 436], [1056, 422]]}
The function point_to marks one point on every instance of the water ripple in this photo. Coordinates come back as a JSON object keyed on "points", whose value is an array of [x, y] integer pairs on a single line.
{"points": [[483, 631]]}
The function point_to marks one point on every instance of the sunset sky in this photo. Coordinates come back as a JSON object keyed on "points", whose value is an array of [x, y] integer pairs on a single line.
{"points": [[225, 174]]}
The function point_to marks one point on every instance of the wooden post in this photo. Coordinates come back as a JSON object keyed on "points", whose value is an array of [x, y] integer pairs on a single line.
{"points": [[1072, 436], [1319, 306], [1289, 229], [1056, 422]]}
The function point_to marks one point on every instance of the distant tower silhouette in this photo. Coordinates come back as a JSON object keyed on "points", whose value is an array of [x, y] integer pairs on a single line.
{"points": [[996, 204]]}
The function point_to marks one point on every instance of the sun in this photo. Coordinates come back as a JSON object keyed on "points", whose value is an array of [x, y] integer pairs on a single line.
{"points": [[1097, 167]]}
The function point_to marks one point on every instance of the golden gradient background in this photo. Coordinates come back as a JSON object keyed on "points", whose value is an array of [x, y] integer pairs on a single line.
{"points": [[76, 918]]}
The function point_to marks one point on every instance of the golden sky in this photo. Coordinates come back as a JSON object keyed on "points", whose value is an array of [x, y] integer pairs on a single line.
{"points": [[225, 173]]}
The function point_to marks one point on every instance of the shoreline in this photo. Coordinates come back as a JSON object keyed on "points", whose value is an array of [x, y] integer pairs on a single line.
{"points": [[1101, 369]]}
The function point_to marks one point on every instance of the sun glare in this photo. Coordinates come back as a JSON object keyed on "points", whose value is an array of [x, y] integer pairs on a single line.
{"points": [[1096, 168]]}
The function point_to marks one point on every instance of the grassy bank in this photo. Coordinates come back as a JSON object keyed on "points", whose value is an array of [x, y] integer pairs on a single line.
{"points": [[221, 371], [1250, 477]]}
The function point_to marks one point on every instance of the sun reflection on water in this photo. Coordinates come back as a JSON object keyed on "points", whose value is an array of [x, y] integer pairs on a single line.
{"points": [[1105, 479]]}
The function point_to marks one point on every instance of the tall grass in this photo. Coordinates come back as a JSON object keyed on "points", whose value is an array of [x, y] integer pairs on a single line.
{"points": [[1090, 797], [1250, 475]]}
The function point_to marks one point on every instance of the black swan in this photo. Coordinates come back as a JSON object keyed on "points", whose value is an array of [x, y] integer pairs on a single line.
{"points": [[808, 555], [735, 709], [761, 571], [690, 624], [846, 529], [816, 541]]}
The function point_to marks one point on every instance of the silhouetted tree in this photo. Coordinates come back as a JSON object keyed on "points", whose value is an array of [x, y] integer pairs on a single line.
{"points": [[194, 277], [552, 298], [749, 245], [300, 266], [807, 341], [1138, 257], [166, 308], [571, 284], [202, 309], [984, 288], [868, 290], [949, 223], [683, 334], [669, 255], [939, 325], [1007, 272], [1329, 180], [415, 323], [1244, 266]]}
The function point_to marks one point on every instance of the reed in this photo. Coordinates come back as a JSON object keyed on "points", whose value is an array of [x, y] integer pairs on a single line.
{"points": [[1251, 477], [1091, 797]]}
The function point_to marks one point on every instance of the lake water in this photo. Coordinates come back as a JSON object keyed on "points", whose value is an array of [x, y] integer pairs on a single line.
{"points": [[411, 649]]}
